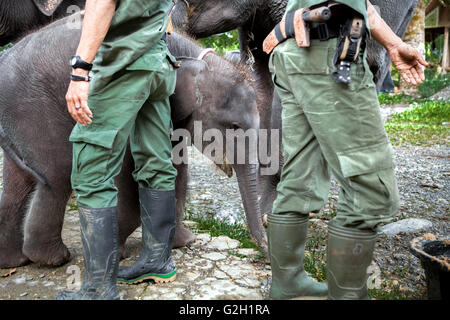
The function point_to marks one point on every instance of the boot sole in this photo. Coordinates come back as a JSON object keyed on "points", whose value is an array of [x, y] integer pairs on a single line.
{"points": [[157, 278]]}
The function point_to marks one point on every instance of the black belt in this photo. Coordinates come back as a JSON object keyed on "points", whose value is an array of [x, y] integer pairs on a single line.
{"points": [[323, 32]]}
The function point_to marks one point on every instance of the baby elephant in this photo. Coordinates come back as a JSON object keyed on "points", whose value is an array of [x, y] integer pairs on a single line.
{"points": [[35, 128]]}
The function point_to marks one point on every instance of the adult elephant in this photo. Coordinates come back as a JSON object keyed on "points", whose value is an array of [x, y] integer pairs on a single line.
{"points": [[17, 18], [254, 19]]}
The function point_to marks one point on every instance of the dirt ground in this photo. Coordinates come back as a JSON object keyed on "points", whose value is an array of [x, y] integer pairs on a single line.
{"points": [[215, 268]]}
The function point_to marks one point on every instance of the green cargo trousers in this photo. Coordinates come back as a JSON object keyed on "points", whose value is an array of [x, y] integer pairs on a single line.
{"points": [[133, 105], [335, 128]]}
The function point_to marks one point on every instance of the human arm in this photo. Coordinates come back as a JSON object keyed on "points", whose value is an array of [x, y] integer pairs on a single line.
{"points": [[97, 20], [407, 60]]}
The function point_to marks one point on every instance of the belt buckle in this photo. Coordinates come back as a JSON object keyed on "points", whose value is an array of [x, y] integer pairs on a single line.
{"points": [[322, 32]]}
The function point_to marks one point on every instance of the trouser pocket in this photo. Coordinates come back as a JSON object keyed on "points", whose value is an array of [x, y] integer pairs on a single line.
{"points": [[369, 193], [92, 153]]}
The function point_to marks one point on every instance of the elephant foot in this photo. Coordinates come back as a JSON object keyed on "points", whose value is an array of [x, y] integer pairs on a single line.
{"points": [[47, 254], [183, 236], [10, 258]]}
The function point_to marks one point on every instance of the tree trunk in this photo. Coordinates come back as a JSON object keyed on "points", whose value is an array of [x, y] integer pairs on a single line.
{"points": [[415, 36]]}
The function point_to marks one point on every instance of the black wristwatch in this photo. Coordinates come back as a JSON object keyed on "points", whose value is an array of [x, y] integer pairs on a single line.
{"points": [[76, 62]]}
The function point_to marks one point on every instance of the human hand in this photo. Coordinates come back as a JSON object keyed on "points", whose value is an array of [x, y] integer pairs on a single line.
{"points": [[408, 61], [77, 97]]}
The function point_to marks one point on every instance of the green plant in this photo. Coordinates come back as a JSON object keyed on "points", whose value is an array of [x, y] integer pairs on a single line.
{"points": [[434, 82], [315, 253], [389, 98], [435, 50], [72, 205], [430, 112], [215, 227], [391, 291], [221, 43], [422, 124]]}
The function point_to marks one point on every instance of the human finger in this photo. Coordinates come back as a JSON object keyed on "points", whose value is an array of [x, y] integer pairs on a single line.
{"points": [[421, 72], [79, 112], [405, 75], [416, 76], [71, 107], [86, 110], [82, 112], [421, 60]]}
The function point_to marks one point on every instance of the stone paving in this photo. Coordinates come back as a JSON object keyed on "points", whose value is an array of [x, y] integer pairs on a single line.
{"points": [[212, 268]]}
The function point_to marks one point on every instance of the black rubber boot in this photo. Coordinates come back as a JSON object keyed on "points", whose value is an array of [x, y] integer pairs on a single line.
{"points": [[158, 230], [99, 236], [349, 254]]}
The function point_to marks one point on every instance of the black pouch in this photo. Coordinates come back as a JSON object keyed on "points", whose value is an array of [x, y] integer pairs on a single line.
{"points": [[351, 42]]}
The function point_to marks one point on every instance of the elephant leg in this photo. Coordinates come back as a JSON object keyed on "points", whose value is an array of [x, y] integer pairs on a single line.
{"points": [[17, 188], [129, 217], [43, 225], [183, 236]]}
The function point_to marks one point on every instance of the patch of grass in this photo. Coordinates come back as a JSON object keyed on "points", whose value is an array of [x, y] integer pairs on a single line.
{"points": [[329, 214], [242, 256], [422, 124], [430, 112], [401, 271], [422, 135], [315, 254], [72, 205], [391, 291], [216, 227], [391, 98]]}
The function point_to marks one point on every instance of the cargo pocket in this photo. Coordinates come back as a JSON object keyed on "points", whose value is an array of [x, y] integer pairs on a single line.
{"points": [[92, 151], [365, 160], [370, 186]]}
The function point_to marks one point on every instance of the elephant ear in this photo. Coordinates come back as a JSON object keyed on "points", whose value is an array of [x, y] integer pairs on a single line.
{"points": [[185, 98], [47, 7]]}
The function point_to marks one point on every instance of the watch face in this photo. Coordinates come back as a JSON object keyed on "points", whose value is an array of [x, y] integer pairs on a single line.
{"points": [[73, 61]]}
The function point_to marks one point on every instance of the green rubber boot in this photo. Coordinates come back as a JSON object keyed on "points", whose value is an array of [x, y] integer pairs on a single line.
{"points": [[287, 239], [100, 238], [158, 230], [349, 254]]}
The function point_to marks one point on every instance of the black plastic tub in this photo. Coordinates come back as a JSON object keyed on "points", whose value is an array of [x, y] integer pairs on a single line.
{"points": [[434, 254]]}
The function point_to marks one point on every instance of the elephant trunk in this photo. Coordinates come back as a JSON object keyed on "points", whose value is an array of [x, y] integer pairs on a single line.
{"points": [[248, 187]]}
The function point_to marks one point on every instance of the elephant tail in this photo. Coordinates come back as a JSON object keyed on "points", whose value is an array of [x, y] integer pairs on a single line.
{"points": [[9, 149]]}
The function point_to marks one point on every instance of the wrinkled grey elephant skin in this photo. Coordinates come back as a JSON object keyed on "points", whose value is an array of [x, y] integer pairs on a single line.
{"points": [[38, 155], [17, 18]]}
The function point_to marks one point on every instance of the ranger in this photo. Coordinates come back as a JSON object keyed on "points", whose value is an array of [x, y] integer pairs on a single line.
{"points": [[332, 124], [126, 96]]}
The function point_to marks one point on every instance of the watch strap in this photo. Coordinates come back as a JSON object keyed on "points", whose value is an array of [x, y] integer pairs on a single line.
{"points": [[79, 78]]}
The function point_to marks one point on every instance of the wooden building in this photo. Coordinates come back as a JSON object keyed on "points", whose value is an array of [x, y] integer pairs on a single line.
{"points": [[437, 22]]}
